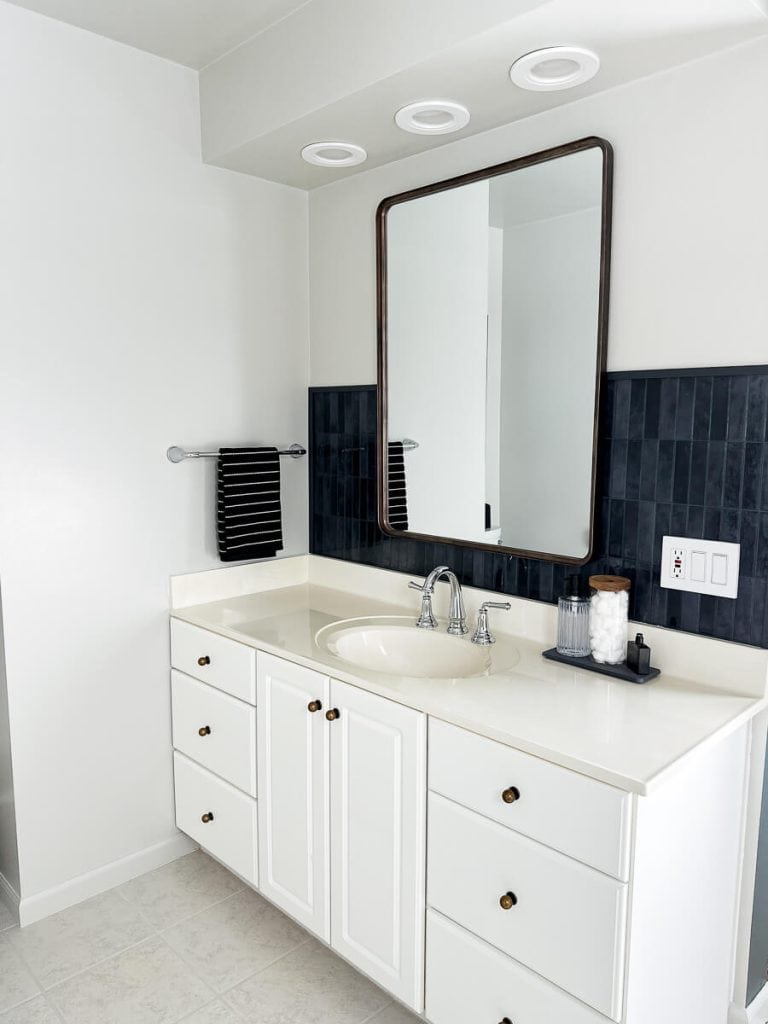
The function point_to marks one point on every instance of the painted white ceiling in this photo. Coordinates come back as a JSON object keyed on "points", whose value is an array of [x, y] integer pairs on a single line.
{"points": [[191, 32], [276, 75]]}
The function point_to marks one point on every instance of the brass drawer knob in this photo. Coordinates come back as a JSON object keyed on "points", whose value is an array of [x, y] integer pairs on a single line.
{"points": [[507, 901], [333, 714], [205, 660], [204, 731], [208, 816], [505, 1021], [314, 705], [510, 795]]}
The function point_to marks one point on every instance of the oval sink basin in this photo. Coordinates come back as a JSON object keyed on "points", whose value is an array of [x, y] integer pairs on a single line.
{"points": [[395, 646]]}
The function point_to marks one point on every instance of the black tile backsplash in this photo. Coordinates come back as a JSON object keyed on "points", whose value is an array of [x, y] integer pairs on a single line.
{"points": [[682, 453]]}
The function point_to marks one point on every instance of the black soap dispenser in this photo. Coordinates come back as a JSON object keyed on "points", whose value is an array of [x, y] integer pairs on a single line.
{"points": [[639, 656]]}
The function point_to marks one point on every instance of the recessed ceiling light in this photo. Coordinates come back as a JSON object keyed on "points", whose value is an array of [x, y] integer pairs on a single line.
{"points": [[432, 117], [334, 154], [556, 67]]}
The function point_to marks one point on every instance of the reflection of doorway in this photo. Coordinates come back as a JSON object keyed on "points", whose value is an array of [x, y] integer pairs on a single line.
{"points": [[493, 384]]}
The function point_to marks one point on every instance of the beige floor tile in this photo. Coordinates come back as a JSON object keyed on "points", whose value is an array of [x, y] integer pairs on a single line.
{"points": [[36, 1011], [7, 916], [179, 889], [59, 946], [231, 941], [394, 1014], [148, 984], [308, 986], [16, 982], [214, 1013]]}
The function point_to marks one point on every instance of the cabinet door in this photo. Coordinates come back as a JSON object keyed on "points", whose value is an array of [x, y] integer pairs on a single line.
{"points": [[293, 790], [378, 811]]}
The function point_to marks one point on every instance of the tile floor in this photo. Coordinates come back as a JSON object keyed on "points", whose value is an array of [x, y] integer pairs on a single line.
{"points": [[187, 942]]}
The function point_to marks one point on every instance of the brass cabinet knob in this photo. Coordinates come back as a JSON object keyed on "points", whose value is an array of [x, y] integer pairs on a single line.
{"points": [[205, 660], [333, 714], [507, 901], [314, 705], [510, 795], [208, 816], [204, 731], [505, 1021]]}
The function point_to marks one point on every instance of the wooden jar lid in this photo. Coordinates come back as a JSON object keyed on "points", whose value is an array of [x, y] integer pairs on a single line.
{"points": [[612, 584]]}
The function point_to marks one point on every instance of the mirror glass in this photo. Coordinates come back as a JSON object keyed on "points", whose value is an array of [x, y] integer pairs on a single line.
{"points": [[493, 293]]}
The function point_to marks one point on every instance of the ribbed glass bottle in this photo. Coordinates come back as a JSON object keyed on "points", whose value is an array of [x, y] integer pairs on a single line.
{"points": [[573, 626]]}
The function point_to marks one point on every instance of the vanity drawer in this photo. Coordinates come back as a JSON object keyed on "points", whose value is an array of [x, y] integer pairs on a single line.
{"points": [[216, 730], [468, 980], [230, 834], [567, 922], [223, 663], [579, 816]]}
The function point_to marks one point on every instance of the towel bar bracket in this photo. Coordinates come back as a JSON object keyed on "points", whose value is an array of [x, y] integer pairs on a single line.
{"points": [[176, 454]]}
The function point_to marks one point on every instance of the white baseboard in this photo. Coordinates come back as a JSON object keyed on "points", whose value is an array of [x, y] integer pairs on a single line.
{"points": [[42, 904], [755, 1013], [8, 894]]}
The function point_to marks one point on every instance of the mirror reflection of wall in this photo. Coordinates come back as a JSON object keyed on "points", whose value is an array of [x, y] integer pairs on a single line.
{"points": [[493, 295]]}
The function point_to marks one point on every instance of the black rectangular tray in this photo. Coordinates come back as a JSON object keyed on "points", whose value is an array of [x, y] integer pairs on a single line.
{"points": [[589, 663]]}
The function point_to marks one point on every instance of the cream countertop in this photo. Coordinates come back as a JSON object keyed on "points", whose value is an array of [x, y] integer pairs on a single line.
{"points": [[629, 736]]}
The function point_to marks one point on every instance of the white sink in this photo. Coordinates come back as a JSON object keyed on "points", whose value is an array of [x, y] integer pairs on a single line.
{"points": [[394, 645]]}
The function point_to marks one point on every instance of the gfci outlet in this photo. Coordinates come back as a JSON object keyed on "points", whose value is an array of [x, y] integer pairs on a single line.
{"points": [[702, 566]]}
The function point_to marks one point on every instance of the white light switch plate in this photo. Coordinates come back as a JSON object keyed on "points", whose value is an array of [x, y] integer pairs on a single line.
{"points": [[703, 566]]}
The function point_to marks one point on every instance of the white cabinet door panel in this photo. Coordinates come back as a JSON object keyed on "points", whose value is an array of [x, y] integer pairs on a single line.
{"points": [[378, 783], [293, 767]]}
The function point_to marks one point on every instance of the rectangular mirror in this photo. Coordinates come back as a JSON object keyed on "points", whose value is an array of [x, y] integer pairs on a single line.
{"points": [[493, 312]]}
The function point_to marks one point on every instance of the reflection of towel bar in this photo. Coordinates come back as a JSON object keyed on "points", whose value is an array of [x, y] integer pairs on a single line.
{"points": [[409, 444], [176, 454]]}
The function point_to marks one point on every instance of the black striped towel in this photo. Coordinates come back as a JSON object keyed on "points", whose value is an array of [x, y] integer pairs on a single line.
{"points": [[248, 516], [397, 498]]}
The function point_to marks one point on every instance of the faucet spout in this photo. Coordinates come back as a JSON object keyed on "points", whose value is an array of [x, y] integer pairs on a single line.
{"points": [[457, 616]]}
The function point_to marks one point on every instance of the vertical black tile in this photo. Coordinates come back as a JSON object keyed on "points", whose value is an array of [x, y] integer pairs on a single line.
{"points": [[757, 408], [630, 529], [615, 546], [695, 524], [733, 482], [662, 528], [718, 421], [682, 471], [698, 473], [707, 607], [713, 494], [702, 408], [684, 413], [764, 483], [761, 561], [679, 520], [652, 408], [730, 525], [634, 465], [712, 523], [742, 619], [648, 466], [646, 522], [749, 539], [724, 618], [668, 408], [737, 408], [637, 409], [753, 467], [665, 471], [621, 398], [689, 612], [617, 476]]}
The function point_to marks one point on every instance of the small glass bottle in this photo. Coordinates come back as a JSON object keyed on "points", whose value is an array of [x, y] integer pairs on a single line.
{"points": [[573, 620], [608, 618]]}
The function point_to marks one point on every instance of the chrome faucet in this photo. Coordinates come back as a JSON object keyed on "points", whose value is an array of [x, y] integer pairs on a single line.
{"points": [[457, 617]]}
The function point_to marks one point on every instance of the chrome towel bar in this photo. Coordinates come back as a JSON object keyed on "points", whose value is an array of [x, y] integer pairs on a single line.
{"points": [[176, 454]]}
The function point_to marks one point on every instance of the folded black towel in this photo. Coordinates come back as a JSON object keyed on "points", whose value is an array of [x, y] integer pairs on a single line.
{"points": [[397, 498], [248, 516]]}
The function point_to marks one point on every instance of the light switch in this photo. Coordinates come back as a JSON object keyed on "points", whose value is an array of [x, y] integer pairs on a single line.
{"points": [[701, 566], [698, 566], [720, 569]]}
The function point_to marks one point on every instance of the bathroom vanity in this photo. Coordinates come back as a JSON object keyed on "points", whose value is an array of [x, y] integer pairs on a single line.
{"points": [[529, 843]]}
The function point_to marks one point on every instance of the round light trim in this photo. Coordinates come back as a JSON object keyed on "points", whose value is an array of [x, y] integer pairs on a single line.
{"points": [[556, 67], [432, 117], [334, 154]]}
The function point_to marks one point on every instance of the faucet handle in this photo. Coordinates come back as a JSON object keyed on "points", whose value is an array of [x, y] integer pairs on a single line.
{"points": [[416, 586], [427, 618], [482, 634]]}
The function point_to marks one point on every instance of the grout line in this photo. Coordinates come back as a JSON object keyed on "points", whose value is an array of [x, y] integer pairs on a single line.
{"points": [[98, 963], [266, 967], [199, 912], [377, 1013]]}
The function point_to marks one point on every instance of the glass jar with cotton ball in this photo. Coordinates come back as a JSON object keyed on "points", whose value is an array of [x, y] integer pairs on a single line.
{"points": [[609, 618]]}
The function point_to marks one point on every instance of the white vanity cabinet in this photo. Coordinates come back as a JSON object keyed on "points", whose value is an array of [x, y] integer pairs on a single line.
{"points": [[342, 793]]}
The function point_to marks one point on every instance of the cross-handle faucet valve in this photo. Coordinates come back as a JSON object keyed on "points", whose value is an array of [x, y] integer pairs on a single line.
{"points": [[482, 634]]}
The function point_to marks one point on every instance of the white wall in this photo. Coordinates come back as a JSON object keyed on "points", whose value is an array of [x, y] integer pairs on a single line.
{"points": [[690, 252], [437, 315], [145, 300]]}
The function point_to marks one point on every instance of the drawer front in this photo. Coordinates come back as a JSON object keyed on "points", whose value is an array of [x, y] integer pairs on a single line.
{"points": [[566, 921], [470, 981], [223, 663], [230, 835], [216, 730], [569, 812]]}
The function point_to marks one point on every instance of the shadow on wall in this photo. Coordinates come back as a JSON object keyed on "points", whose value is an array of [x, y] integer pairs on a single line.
{"points": [[682, 453]]}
